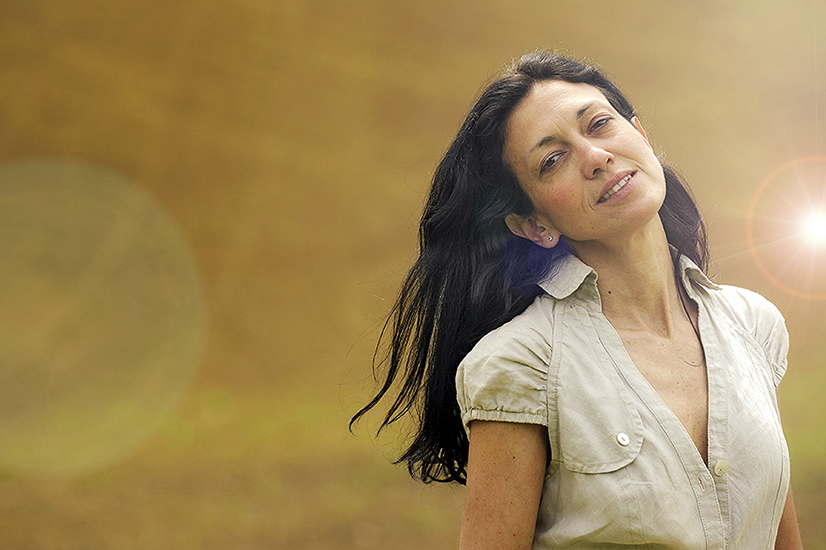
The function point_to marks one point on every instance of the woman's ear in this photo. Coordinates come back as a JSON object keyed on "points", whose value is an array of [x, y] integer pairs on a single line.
{"points": [[527, 228], [635, 121]]}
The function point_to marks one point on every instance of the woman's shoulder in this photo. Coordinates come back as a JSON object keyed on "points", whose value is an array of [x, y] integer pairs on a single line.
{"points": [[530, 329], [742, 305], [757, 317], [748, 308], [521, 348]]}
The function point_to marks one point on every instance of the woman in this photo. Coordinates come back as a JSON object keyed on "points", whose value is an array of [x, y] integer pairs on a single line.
{"points": [[563, 352]]}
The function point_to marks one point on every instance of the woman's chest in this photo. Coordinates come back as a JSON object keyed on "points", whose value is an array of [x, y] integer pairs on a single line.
{"points": [[676, 370], [624, 427]]}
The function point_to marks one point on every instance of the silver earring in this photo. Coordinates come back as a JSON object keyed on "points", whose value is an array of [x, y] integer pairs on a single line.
{"points": [[550, 238]]}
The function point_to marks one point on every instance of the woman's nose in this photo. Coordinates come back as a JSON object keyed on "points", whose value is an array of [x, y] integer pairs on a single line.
{"points": [[595, 159]]}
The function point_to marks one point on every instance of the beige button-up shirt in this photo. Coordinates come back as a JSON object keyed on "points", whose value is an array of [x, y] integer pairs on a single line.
{"points": [[623, 469]]}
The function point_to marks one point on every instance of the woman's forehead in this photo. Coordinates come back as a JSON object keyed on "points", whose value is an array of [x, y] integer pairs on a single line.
{"points": [[561, 98], [549, 105]]}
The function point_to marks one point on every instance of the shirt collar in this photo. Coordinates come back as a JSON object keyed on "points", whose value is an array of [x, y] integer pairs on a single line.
{"points": [[570, 273], [691, 273], [566, 276]]}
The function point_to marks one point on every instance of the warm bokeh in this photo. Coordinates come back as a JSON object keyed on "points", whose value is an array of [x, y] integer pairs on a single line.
{"points": [[180, 356]]}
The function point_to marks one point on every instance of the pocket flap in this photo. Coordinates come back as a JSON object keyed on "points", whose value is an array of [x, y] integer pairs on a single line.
{"points": [[600, 429]]}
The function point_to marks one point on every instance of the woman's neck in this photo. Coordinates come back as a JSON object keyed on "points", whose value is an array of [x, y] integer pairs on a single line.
{"points": [[636, 280]]}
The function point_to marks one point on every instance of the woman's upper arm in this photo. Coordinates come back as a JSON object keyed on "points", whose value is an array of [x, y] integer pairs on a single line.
{"points": [[788, 534], [506, 469]]}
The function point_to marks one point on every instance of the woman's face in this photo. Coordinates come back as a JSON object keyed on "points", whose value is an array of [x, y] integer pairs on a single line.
{"points": [[590, 173]]}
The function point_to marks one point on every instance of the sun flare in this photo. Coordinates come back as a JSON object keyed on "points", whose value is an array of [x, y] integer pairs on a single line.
{"points": [[786, 228], [813, 228]]}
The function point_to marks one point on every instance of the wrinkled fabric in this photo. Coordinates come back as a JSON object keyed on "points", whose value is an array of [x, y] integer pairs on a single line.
{"points": [[623, 469]]}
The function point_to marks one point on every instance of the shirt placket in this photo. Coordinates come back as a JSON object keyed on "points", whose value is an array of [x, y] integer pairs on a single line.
{"points": [[704, 484], [717, 470]]}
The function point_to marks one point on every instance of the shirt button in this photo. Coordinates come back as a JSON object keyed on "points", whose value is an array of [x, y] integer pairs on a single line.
{"points": [[623, 439], [721, 468]]}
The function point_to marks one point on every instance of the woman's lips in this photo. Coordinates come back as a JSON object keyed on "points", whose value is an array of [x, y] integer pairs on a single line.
{"points": [[617, 187]]}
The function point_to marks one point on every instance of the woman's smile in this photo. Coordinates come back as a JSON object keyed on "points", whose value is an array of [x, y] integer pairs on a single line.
{"points": [[613, 190]]}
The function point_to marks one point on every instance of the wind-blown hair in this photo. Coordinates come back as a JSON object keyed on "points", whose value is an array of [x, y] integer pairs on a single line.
{"points": [[473, 275]]}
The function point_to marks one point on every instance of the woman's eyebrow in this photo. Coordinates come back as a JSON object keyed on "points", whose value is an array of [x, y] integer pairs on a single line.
{"points": [[545, 140], [584, 109]]}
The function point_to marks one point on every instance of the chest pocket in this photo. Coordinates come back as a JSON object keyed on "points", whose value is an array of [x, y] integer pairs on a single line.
{"points": [[599, 429]]}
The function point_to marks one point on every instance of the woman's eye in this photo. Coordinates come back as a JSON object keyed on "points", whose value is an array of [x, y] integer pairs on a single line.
{"points": [[549, 162], [600, 122]]}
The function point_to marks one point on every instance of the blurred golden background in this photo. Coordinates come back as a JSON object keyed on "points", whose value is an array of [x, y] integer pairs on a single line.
{"points": [[208, 206]]}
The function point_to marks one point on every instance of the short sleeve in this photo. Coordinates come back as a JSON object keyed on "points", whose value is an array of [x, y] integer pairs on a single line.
{"points": [[504, 378], [774, 338], [766, 324]]}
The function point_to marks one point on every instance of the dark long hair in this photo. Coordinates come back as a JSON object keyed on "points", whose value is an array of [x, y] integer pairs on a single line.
{"points": [[473, 275]]}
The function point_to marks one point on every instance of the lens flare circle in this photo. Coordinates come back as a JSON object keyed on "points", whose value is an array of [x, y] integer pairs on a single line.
{"points": [[101, 317], [811, 225]]}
